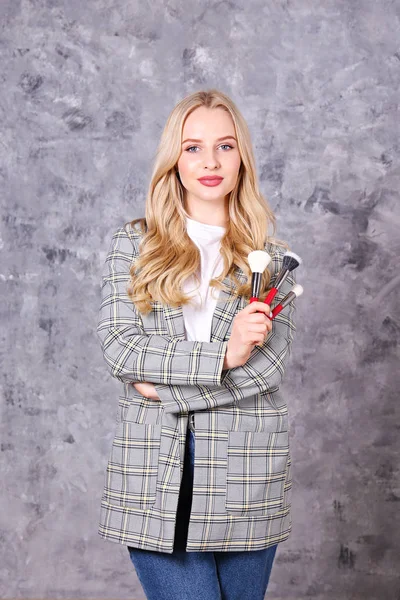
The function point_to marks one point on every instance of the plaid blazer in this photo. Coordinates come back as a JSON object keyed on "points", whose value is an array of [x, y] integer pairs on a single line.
{"points": [[242, 470]]}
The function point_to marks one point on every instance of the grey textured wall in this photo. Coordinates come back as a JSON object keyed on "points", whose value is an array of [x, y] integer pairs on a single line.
{"points": [[85, 91]]}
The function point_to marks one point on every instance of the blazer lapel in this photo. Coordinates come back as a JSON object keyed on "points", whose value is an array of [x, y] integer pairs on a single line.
{"points": [[227, 307], [223, 314]]}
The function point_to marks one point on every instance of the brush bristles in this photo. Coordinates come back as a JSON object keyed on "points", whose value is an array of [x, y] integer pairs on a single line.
{"points": [[258, 261], [297, 289], [291, 261]]}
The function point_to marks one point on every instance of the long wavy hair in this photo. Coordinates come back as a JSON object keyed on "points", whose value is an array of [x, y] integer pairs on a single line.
{"points": [[167, 255]]}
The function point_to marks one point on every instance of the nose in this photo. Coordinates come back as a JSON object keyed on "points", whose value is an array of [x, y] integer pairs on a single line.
{"points": [[210, 160]]}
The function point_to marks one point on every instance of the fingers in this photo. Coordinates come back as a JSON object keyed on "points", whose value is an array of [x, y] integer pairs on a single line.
{"points": [[258, 318], [263, 317], [260, 327], [259, 331], [252, 324], [258, 307]]}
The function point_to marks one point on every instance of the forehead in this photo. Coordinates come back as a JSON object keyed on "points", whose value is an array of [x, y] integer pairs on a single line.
{"points": [[208, 123]]}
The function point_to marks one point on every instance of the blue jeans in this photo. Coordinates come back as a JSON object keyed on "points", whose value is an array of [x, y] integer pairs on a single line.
{"points": [[202, 575]]}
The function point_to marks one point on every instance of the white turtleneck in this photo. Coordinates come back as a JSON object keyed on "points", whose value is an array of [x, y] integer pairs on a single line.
{"points": [[199, 313]]}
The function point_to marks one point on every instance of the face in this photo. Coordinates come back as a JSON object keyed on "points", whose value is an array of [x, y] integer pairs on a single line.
{"points": [[215, 153]]}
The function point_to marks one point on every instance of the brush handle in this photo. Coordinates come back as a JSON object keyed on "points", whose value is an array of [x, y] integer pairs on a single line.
{"points": [[253, 299], [255, 284], [271, 295], [283, 303], [278, 308]]}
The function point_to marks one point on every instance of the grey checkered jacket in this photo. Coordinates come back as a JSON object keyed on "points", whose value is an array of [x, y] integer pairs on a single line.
{"points": [[242, 470]]}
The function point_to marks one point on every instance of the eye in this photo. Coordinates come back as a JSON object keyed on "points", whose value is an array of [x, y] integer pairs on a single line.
{"points": [[190, 147]]}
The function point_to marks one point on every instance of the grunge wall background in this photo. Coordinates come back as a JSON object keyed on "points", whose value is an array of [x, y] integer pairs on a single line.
{"points": [[86, 88]]}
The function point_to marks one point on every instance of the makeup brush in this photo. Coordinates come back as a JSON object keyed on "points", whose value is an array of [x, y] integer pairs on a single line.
{"points": [[295, 292], [289, 263], [258, 261]]}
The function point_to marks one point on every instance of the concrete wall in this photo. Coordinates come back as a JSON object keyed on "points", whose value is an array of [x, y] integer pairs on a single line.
{"points": [[85, 92]]}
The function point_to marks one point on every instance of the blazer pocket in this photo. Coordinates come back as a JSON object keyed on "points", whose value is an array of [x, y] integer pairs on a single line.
{"points": [[131, 475], [256, 472], [139, 409]]}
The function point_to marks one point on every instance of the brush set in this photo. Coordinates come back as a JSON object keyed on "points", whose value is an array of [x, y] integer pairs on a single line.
{"points": [[258, 261]]}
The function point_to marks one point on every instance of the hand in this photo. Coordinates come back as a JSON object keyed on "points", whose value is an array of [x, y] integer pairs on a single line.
{"points": [[147, 389], [250, 328]]}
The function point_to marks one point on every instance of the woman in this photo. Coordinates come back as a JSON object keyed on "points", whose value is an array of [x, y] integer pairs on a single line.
{"points": [[198, 482]]}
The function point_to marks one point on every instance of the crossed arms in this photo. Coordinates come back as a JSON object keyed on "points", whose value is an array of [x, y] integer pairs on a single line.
{"points": [[188, 375]]}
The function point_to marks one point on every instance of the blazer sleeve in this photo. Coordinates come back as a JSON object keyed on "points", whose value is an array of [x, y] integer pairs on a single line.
{"points": [[263, 371], [133, 355]]}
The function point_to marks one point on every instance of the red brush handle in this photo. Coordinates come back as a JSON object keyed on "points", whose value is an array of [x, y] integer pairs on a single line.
{"points": [[271, 295], [253, 299], [277, 310]]}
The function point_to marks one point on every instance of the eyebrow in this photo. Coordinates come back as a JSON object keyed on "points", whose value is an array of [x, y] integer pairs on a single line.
{"points": [[226, 137]]}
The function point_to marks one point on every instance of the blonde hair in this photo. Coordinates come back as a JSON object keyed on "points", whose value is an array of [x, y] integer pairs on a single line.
{"points": [[167, 254]]}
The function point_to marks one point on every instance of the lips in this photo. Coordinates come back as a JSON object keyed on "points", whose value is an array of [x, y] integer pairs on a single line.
{"points": [[210, 181]]}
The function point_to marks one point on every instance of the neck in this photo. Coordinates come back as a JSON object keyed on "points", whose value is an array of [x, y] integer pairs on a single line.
{"points": [[208, 214]]}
